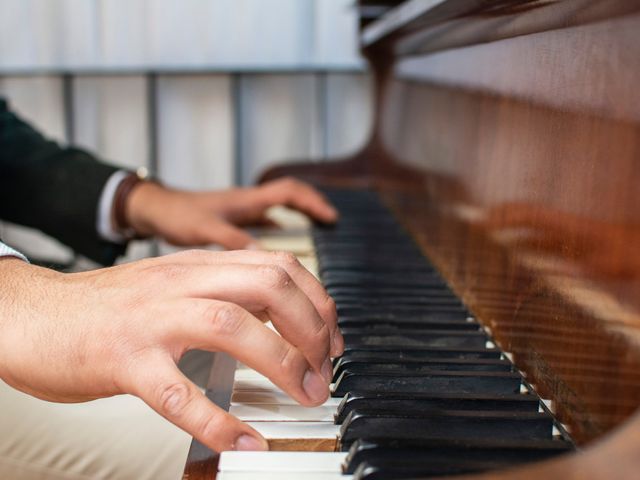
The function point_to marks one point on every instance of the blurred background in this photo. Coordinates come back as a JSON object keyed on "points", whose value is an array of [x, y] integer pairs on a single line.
{"points": [[204, 93]]}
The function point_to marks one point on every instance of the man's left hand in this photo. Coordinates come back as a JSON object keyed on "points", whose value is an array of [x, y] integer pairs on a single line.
{"points": [[200, 218]]}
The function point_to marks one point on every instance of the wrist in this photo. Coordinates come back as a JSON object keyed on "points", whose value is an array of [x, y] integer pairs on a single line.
{"points": [[130, 206], [144, 206]]}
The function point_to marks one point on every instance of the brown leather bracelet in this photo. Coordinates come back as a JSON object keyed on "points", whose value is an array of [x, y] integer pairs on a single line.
{"points": [[120, 198]]}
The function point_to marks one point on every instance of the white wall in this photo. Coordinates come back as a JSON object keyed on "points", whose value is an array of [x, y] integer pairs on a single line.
{"points": [[223, 34], [239, 85]]}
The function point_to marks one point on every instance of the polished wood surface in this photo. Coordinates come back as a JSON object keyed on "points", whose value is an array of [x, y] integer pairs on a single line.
{"points": [[531, 214], [507, 140]]}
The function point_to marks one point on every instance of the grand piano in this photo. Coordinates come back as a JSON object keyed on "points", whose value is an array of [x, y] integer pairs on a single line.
{"points": [[486, 267]]}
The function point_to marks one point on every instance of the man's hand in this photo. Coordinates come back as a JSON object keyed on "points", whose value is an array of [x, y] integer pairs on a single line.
{"points": [[77, 337], [201, 218]]}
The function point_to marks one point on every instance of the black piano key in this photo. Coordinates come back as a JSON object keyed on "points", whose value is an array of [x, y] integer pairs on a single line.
{"points": [[371, 323], [381, 278], [364, 234], [390, 291], [394, 302], [417, 353], [447, 424], [355, 266], [375, 222], [343, 247], [448, 359], [397, 471], [372, 280], [375, 300], [415, 402], [427, 338], [498, 383], [348, 264], [452, 451], [407, 292], [418, 366], [350, 245], [400, 317], [401, 470], [400, 310]]}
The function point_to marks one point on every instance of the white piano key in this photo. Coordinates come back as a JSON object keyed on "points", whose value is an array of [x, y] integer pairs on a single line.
{"points": [[260, 385], [280, 398], [281, 461], [296, 244], [296, 430], [288, 218], [282, 476], [255, 385], [282, 413], [310, 263]]}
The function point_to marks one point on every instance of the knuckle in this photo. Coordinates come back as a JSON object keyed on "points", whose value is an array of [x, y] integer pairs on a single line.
{"points": [[330, 305], [286, 184], [210, 426], [226, 319], [321, 335], [290, 181], [327, 309], [275, 277], [286, 259], [288, 362], [174, 399]]}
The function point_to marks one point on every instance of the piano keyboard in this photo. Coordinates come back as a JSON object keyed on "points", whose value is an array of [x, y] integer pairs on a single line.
{"points": [[421, 390]]}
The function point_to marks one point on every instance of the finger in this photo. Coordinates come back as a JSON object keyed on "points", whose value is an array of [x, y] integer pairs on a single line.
{"points": [[227, 235], [322, 301], [266, 222], [222, 326], [158, 382], [300, 196], [270, 289]]}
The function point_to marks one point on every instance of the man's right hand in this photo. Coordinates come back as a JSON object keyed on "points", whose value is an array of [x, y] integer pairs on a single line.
{"points": [[77, 337]]}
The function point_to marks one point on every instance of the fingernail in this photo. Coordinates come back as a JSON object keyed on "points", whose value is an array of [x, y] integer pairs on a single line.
{"points": [[315, 386], [327, 370], [248, 443], [338, 343]]}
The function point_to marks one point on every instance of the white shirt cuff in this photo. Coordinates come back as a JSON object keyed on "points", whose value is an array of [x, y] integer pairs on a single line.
{"points": [[7, 251], [104, 225]]}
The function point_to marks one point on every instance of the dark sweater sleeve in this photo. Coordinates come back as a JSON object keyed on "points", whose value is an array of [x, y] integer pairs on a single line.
{"points": [[51, 188]]}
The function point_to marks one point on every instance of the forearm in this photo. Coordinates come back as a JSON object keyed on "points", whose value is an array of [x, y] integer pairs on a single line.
{"points": [[52, 188], [21, 293]]}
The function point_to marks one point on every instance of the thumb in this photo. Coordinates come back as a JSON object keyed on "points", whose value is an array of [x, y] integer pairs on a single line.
{"points": [[165, 389]]}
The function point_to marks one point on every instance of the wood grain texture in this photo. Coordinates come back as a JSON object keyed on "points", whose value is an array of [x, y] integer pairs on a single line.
{"points": [[530, 210], [302, 444]]}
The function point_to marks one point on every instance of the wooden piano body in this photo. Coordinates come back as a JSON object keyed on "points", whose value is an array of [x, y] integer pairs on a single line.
{"points": [[506, 139]]}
